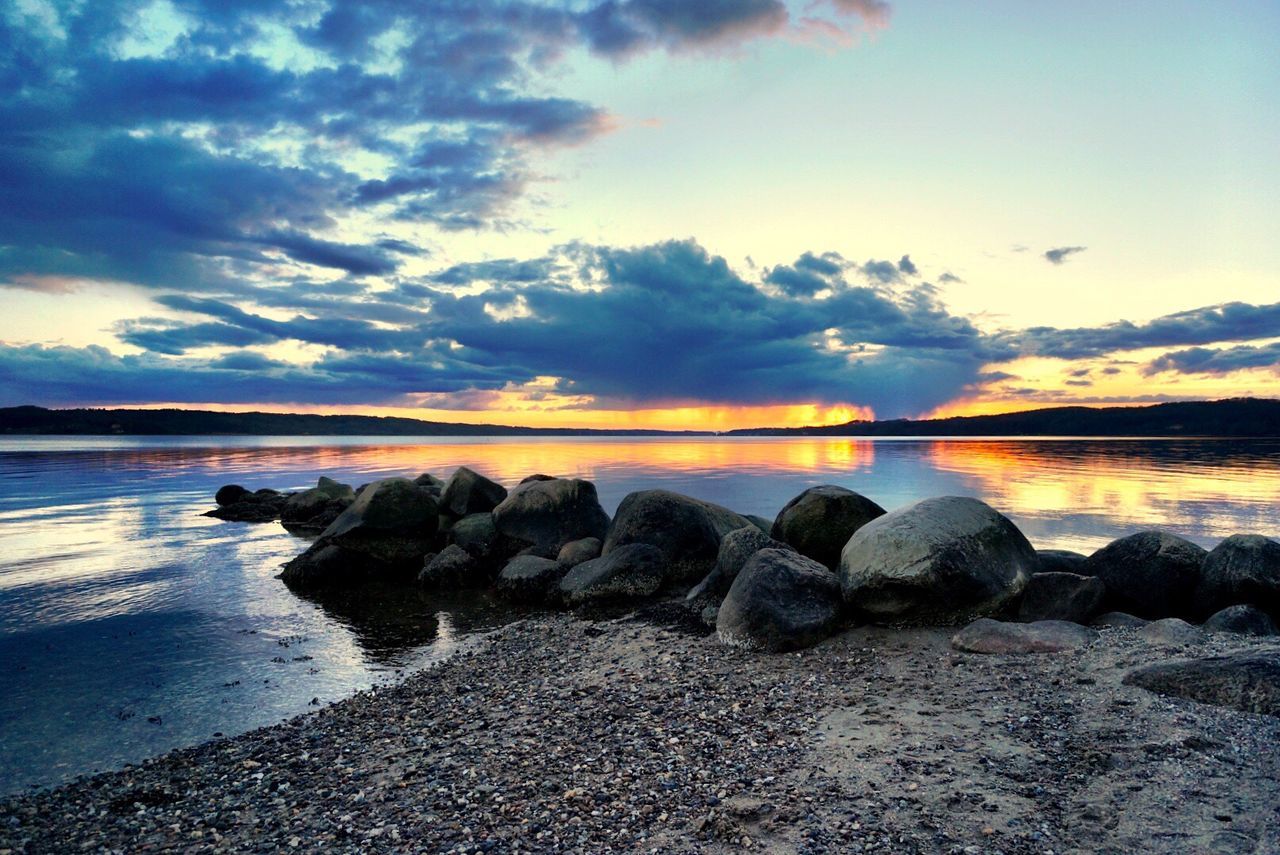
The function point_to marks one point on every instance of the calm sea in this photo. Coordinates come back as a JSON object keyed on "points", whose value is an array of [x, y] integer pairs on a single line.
{"points": [[130, 624]]}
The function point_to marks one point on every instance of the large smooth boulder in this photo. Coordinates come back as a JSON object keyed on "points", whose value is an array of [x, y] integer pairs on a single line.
{"points": [[628, 572], [477, 534], [259, 506], [1171, 631], [780, 600], [451, 569], [430, 483], [1061, 596], [327, 566], [549, 512], [1151, 574], [686, 531], [575, 552], [1060, 561], [1244, 568], [1045, 636], [392, 521], [1242, 620], [229, 494], [530, 579], [1242, 681], [736, 550], [820, 521], [946, 560], [469, 492], [316, 508]]}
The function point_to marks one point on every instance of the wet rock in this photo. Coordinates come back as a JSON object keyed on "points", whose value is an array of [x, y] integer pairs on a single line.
{"points": [[1151, 574], [451, 569], [431, 483], [392, 521], [686, 531], [316, 508], [327, 566], [1242, 681], [1045, 636], [944, 560], [531, 580], [820, 521], [258, 506], [1060, 561], [780, 600], [1061, 596], [229, 494], [1242, 620], [548, 513], [1171, 631], [477, 534], [538, 476], [575, 552], [469, 492], [1119, 620], [628, 572], [1244, 568], [736, 550], [765, 525]]}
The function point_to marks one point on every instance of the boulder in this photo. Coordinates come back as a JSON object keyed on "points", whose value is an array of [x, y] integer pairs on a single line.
{"points": [[946, 560], [392, 521], [451, 569], [575, 552], [258, 506], [538, 476], [1244, 568], [1060, 561], [820, 521], [468, 492], [686, 531], [628, 572], [736, 549], [324, 565], [1171, 631], [229, 494], [431, 483], [1242, 620], [1151, 574], [780, 600], [1043, 636], [477, 534], [548, 513], [316, 508], [1061, 596], [1243, 681], [531, 580], [765, 525], [1119, 620]]}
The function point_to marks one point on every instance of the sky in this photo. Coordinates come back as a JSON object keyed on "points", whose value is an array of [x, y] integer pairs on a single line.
{"points": [[638, 213]]}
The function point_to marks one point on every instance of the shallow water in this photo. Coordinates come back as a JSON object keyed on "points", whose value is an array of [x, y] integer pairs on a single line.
{"points": [[131, 624]]}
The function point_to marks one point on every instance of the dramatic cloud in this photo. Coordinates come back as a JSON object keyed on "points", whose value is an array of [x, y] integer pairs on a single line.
{"points": [[1058, 255], [1203, 360]]}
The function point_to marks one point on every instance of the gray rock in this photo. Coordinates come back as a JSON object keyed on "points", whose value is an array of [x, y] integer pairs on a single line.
{"points": [[1119, 620], [628, 572], [258, 506], [1151, 574], [1244, 568], [736, 550], [1061, 596], [392, 521], [760, 522], [477, 534], [575, 552], [431, 483], [469, 492], [780, 600], [820, 521], [1171, 631], [537, 477], [687, 532], [1242, 681], [316, 508], [946, 560], [1060, 561], [1242, 620], [1045, 636], [451, 569], [327, 566], [530, 579], [229, 494], [548, 513]]}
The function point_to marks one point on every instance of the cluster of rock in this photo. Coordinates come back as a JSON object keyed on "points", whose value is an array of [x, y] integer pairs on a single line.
{"points": [[830, 558]]}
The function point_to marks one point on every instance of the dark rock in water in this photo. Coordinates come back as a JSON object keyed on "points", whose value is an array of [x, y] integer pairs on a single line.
{"points": [[1119, 620], [258, 506], [1060, 561], [1243, 681], [530, 579], [820, 521], [780, 600], [735, 551], [451, 569], [548, 513], [229, 494], [760, 522], [628, 572], [430, 482], [316, 508], [1171, 631], [392, 521], [1044, 636], [945, 560], [536, 477], [327, 566], [1244, 568], [468, 492], [1242, 620], [1151, 574], [1061, 596], [687, 532], [477, 534], [575, 552]]}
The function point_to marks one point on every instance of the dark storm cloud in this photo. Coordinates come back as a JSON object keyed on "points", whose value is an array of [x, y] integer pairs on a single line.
{"points": [[1060, 254], [1203, 360], [907, 266]]}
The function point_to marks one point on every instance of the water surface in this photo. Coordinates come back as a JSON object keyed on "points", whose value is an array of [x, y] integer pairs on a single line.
{"points": [[131, 624]]}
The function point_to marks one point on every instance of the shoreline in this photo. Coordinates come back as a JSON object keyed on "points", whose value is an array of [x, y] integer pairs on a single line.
{"points": [[559, 734]]}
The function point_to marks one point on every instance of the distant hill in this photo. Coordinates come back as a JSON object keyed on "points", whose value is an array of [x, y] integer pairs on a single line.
{"points": [[38, 420], [1235, 417]]}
